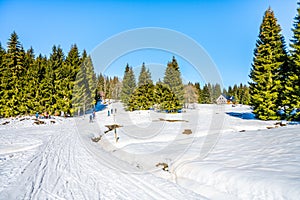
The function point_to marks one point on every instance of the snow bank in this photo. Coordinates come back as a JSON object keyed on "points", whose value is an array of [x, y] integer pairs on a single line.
{"points": [[252, 165]]}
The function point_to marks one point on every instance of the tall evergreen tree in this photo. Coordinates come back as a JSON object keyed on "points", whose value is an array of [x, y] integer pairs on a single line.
{"points": [[142, 98], [224, 91], [199, 91], [173, 79], [71, 66], [216, 92], [81, 92], [12, 78], [291, 92], [165, 99], [206, 95], [41, 64], [145, 76], [91, 78], [2, 82], [57, 87], [245, 95], [31, 79], [100, 87], [128, 84], [269, 57]]}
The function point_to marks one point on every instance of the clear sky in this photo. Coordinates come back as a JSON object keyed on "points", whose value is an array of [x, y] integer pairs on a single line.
{"points": [[226, 29]]}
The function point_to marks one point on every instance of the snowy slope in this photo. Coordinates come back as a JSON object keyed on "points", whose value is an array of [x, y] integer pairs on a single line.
{"points": [[54, 162]]}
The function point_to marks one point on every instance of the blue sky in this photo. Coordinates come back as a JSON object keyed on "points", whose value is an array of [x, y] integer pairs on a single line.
{"points": [[226, 29]]}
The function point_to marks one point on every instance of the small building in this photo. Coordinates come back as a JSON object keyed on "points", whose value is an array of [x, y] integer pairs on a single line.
{"points": [[223, 99]]}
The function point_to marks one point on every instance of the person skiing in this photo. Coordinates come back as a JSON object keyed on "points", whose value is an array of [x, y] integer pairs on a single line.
{"points": [[37, 115]]}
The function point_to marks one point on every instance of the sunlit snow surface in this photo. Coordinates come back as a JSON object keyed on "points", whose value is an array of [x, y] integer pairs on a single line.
{"points": [[229, 155]]}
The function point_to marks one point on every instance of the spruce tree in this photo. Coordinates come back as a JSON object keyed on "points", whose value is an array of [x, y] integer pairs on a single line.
{"points": [[165, 99], [2, 81], [142, 98], [128, 84], [145, 76], [100, 87], [91, 78], [291, 92], [81, 92], [216, 92], [71, 66], [230, 91], [57, 82], [41, 66], [199, 91], [173, 79], [31, 102], [245, 95], [269, 57], [47, 86], [12, 78], [224, 92], [206, 95]]}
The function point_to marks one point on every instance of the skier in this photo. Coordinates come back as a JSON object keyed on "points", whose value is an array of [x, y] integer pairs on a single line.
{"points": [[37, 115], [94, 114], [91, 118]]}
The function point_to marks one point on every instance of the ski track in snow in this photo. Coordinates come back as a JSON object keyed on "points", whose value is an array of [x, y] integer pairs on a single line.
{"points": [[66, 166], [59, 161]]}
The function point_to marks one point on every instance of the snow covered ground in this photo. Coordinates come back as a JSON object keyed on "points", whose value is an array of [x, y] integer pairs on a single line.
{"points": [[228, 155], [52, 161]]}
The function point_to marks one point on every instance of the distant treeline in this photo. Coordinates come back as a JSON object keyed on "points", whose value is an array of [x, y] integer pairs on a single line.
{"points": [[30, 84], [171, 94]]}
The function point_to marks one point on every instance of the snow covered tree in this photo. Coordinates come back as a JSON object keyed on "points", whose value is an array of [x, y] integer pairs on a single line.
{"points": [[128, 84], [173, 79], [269, 57], [291, 92]]}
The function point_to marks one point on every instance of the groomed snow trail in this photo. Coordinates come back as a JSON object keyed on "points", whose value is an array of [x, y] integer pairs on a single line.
{"points": [[67, 166]]}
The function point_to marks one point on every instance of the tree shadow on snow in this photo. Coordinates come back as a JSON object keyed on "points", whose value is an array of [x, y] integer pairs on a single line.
{"points": [[247, 116]]}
